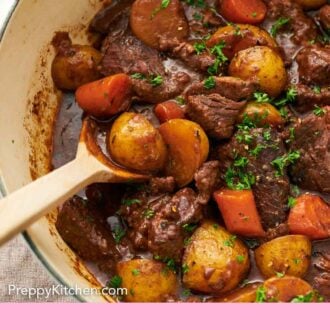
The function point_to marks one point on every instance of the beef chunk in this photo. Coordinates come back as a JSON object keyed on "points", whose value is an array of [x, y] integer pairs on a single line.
{"points": [[83, 228], [302, 26], [312, 139], [324, 15], [186, 52], [308, 97], [216, 114], [230, 87], [207, 181], [162, 185], [107, 17], [217, 109], [314, 65], [166, 235], [270, 190]]}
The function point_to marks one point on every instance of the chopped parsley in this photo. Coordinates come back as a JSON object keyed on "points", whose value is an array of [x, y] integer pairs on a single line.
{"points": [[135, 272], [187, 241], [317, 89], [282, 162], [139, 76], [156, 80], [189, 227], [292, 135], [196, 3], [148, 213], [186, 292], [231, 241], [261, 97], [304, 298], [291, 202], [164, 4], [254, 14], [130, 202], [290, 97], [217, 50], [284, 113], [297, 261], [115, 282], [180, 100], [118, 234], [185, 269], [280, 275], [197, 16], [279, 24], [267, 135], [318, 111], [240, 259], [261, 294], [216, 226], [169, 262], [209, 83], [256, 151], [199, 47]]}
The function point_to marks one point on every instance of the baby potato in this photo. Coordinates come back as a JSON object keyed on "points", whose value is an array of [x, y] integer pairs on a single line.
{"points": [[262, 64], [216, 261], [75, 67], [239, 37], [287, 288], [147, 281], [311, 4], [262, 113], [151, 21], [246, 294], [188, 149], [288, 255], [134, 143]]}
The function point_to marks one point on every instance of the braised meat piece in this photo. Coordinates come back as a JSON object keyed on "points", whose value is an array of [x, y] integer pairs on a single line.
{"points": [[271, 189], [166, 234], [217, 109], [308, 97], [216, 114], [314, 65], [312, 140], [207, 180], [84, 229], [303, 28], [324, 15], [162, 185]]}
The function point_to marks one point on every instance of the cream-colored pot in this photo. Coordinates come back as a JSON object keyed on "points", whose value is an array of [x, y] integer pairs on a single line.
{"points": [[28, 107]]}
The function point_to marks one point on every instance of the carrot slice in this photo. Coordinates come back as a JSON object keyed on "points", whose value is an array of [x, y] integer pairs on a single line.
{"points": [[239, 211], [310, 217], [168, 110], [243, 11], [105, 97]]}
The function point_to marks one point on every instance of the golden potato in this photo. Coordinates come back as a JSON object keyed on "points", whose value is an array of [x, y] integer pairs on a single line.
{"points": [[216, 261], [285, 289], [311, 4], [147, 280], [75, 67], [134, 143], [245, 294], [262, 64], [188, 149], [288, 255], [240, 36], [262, 114]]}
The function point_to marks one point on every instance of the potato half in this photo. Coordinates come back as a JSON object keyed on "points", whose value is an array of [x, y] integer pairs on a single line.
{"points": [[288, 255], [216, 261], [147, 281]]}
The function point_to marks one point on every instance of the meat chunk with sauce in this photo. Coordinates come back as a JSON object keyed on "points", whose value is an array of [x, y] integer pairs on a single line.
{"points": [[312, 140], [324, 15], [217, 109], [84, 229], [314, 65], [271, 191]]}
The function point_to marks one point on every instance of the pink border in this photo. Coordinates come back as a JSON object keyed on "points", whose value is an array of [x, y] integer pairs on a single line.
{"points": [[165, 316]]}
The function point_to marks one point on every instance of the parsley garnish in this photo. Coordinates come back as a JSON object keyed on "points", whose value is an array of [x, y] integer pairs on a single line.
{"points": [[280, 275], [297, 261], [291, 202], [290, 97], [240, 259], [281, 162], [130, 202], [199, 47], [318, 111], [197, 16], [189, 227], [115, 282], [156, 80], [139, 76], [278, 25], [267, 135], [261, 97], [118, 234], [216, 226], [261, 294], [303, 298], [135, 272], [186, 292], [164, 4], [209, 83], [148, 213], [180, 100], [231, 241], [217, 51], [317, 89], [256, 151], [185, 268]]}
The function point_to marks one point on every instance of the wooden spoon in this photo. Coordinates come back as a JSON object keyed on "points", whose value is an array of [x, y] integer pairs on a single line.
{"points": [[25, 206]]}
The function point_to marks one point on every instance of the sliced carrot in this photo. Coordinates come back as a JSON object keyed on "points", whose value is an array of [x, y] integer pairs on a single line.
{"points": [[239, 211], [105, 97], [243, 11], [310, 217], [168, 110]]}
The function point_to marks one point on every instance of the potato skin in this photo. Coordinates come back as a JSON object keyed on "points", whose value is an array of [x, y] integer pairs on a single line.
{"points": [[150, 22], [262, 64], [188, 149], [134, 143], [75, 67], [248, 36], [286, 288], [263, 113], [311, 4], [213, 266], [147, 281], [289, 255]]}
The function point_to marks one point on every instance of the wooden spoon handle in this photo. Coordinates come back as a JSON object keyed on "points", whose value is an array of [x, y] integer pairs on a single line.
{"points": [[28, 204]]}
